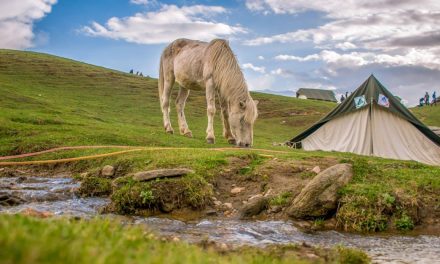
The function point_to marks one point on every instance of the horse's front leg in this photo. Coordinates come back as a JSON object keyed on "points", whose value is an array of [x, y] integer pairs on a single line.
{"points": [[210, 101], [225, 117], [165, 103], [180, 107]]}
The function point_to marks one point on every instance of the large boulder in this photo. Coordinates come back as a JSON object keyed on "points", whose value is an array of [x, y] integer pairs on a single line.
{"points": [[320, 195]]}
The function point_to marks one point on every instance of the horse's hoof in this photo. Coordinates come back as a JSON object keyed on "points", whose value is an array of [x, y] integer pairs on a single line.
{"points": [[210, 140], [170, 131], [188, 134], [232, 141]]}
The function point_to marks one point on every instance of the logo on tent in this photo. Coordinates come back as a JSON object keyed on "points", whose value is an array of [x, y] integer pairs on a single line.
{"points": [[383, 101], [360, 101]]}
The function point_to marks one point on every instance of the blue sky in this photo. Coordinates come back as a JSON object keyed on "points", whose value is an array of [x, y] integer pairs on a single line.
{"points": [[281, 44]]}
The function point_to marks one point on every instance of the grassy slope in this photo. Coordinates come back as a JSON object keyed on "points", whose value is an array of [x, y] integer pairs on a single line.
{"points": [[428, 115], [49, 101]]}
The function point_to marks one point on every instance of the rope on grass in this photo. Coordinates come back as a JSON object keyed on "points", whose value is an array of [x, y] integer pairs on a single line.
{"points": [[96, 156]]}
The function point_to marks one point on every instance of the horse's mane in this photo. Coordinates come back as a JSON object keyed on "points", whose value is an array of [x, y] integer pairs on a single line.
{"points": [[228, 76]]}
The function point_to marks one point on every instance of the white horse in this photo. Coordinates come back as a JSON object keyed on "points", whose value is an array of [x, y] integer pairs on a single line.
{"points": [[211, 67]]}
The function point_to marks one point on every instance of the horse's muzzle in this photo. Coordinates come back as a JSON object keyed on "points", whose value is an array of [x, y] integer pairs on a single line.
{"points": [[244, 145]]}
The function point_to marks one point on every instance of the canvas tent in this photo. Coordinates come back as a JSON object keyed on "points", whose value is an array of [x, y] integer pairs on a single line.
{"points": [[371, 121], [316, 94]]}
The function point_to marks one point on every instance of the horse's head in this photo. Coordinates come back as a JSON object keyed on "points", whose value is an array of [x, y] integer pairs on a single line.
{"points": [[242, 117]]}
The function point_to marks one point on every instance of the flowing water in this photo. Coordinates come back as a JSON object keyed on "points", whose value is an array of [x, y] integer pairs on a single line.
{"points": [[55, 195]]}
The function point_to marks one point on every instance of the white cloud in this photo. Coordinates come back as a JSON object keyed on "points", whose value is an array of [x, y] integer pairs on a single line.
{"points": [[166, 24], [17, 19], [394, 32], [284, 57], [282, 72], [261, 82], [140, 2], [335, 60], [254, 68], [260, 57]]}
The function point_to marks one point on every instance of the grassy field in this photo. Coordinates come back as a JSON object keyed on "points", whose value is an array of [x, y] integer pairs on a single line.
{"points": [[49, 101]]}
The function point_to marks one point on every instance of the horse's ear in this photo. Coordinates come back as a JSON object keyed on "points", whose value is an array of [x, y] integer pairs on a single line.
{"points": [[242, 104], [256, 102]]}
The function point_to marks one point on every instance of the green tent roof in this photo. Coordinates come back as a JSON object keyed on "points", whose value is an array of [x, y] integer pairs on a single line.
{"points": [[368, 93]]}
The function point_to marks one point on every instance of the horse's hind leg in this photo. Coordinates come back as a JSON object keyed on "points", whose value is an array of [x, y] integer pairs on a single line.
{"points": [[180, 107], [168, 85], [225, 117], [210, 101]]}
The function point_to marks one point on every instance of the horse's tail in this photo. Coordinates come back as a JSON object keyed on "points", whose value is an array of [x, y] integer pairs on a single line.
{"points": [[161, 80]]}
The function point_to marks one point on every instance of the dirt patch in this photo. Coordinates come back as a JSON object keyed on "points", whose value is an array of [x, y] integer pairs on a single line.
{"points": [[280, 180]]}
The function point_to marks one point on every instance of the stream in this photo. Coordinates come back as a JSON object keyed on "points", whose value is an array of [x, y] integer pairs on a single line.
{"points": [[55, 196]]}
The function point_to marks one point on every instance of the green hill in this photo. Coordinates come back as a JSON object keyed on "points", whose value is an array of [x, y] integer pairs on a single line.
{"points": [[428, 115], [49, 101]]}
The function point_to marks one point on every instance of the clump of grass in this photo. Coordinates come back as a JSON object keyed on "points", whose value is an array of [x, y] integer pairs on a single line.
{"points": [[255, 160], [404, 222], [318, 223], [281, 200], [132, 197], [307, 174], [352, 256], [95, 186], [147, 196]]}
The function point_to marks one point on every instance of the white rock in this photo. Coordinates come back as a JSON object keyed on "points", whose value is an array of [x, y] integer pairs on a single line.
{"points": [[217, 203], [255, 196], [316, 169], [269, 192], [108, 170], [237, 190], [228, 205]]}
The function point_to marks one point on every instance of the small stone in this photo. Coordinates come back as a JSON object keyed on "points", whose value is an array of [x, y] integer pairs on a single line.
{"points": [[214, 198], [223, 246], [108, 171], [176, 239], [255, 196], [237, 190], [228, 205], [316, 169], [311, 256], [254, 207], [35, 213], [275, 209], [269, 192], [217, 203], [211, 212]]}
